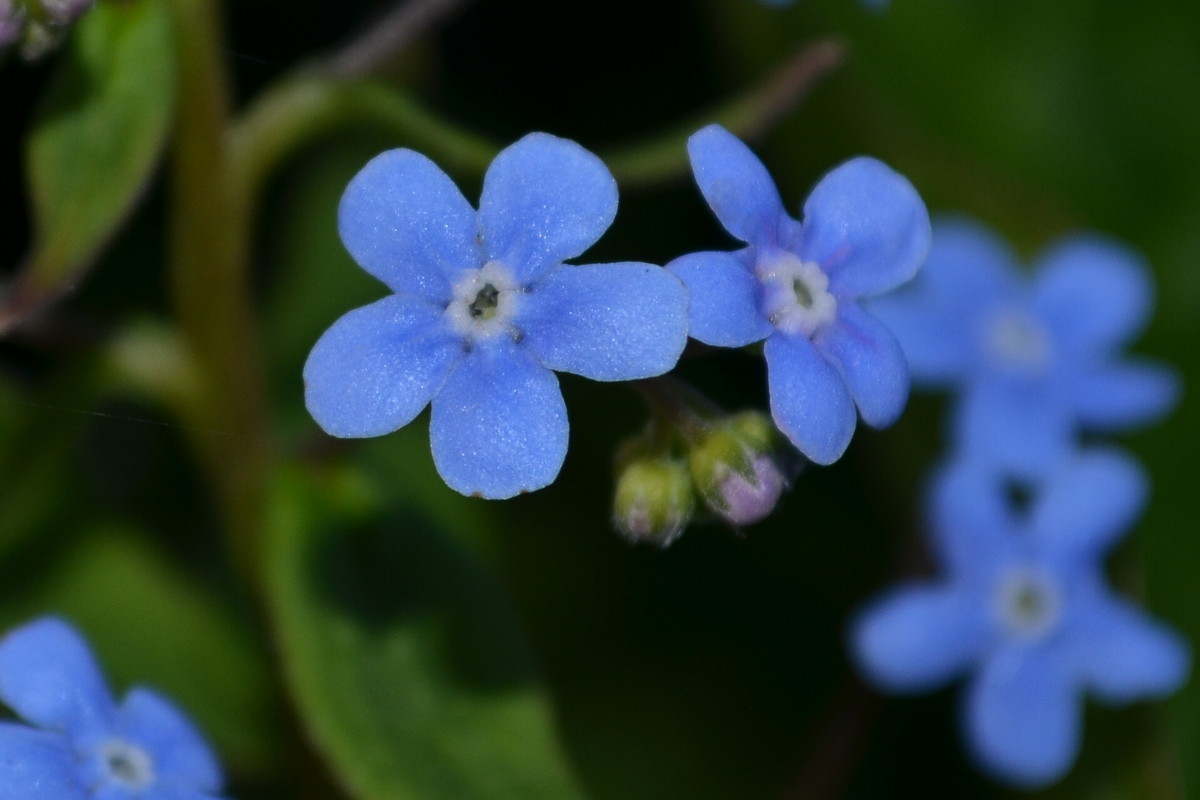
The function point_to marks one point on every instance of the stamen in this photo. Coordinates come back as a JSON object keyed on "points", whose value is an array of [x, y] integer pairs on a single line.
{"points": [[1028, 602], [126, 764], [795, 294], [484, 304], [1017, 341]]}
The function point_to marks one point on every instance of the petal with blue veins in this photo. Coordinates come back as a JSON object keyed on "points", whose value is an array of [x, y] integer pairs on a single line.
{"points": [[1094, 293], [1023, 716], [177, 749], [1125, 655], [544, 200], [607, 322], [809, 399], [723, 308], [870, 360], [1126, 394], [736, 185], [499, 425], [1087, 505], [971, 519], [1020, 426], [405, 222], [867, 228], [378, 366], [918, 637], [50, 678], [37, 765]]}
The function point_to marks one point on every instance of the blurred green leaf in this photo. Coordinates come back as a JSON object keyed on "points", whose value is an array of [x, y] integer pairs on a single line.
{"points": [[406, 662], [152, 625], [94, 145]]}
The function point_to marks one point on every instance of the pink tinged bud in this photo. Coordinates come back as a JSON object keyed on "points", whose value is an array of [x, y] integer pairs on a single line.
{"points": [[743, 499]]}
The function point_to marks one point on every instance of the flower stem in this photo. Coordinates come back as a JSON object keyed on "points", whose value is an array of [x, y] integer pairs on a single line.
{"points": [[209, 253], [389, 36]]}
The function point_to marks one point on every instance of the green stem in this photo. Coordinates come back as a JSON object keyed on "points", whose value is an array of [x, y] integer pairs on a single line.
{"points": [[313, 104], [209, 253]]}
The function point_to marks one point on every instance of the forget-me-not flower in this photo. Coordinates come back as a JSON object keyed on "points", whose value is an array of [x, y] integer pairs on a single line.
{"points": [[797, 286], [1037, 358], [1023, 608], [80, 744], [484, 308]]}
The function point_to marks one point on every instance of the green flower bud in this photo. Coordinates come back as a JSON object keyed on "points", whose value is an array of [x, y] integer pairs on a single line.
{"points": [[653, 500]]}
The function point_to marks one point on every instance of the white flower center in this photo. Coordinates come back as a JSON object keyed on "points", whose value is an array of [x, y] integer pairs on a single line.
{"points": [[1028, 602], [484, 302], [125, 764], [796, 294], [1017, 341]]}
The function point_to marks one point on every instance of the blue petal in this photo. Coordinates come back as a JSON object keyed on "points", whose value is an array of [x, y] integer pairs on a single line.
{"points": [[1018, 426], [867, 228], [1094, 293], [917, 637], [971, 519], [736, 185], [871, 362], [1088, 504], [1023, 717], [607, 322], [178, 750], [544, 200], [405, 222], [1124, 395], [723, 298], [1124, 655], [936, 346], [378, 366], [49, 677], [968, 271], [499, 425], [36, 765], [809, 400]]}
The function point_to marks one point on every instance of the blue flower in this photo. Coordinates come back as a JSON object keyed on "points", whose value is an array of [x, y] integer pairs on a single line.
{"points": [[796, 285], [1036, 359], [83, 744], [484, 309], [1023, 607]]}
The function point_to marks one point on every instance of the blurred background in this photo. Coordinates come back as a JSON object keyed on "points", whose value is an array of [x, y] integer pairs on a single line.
{"points": [[713, 670]]}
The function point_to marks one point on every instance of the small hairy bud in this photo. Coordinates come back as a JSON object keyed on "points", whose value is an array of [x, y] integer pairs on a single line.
{"points": [[653, 501], [737, 469]]}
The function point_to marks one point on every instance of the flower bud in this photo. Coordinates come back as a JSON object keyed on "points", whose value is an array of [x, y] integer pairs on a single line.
{"points": [[653, 500], [736, 467]]}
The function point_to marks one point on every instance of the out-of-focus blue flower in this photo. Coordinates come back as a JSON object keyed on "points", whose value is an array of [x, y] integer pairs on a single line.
{"points": [[83, 745], [865, 231], [1023, 607], [484, 309], [1036, 359]]}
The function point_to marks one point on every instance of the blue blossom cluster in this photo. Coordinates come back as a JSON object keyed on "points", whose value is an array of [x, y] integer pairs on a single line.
{"points": [[485, 309], [79, 743], [1021, 604]]}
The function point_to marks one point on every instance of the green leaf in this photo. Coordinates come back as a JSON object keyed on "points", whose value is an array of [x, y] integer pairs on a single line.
{"points": [[150, 624], [94, 145], [405, 661]]}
